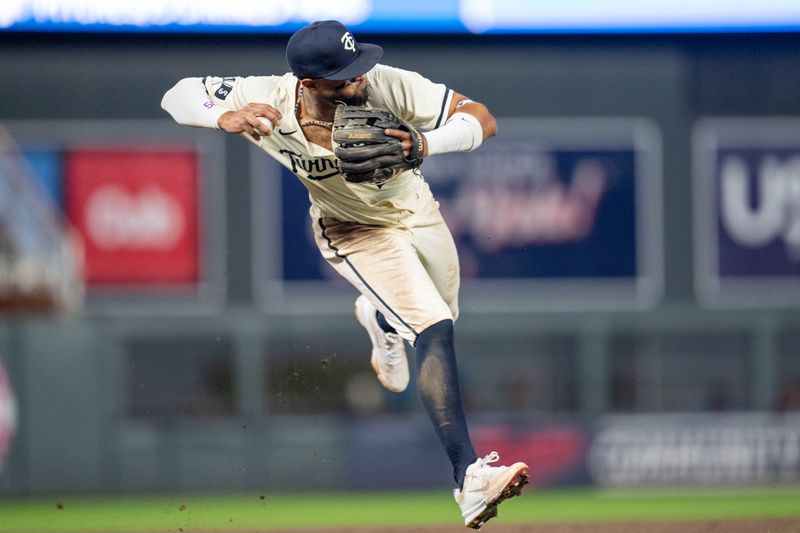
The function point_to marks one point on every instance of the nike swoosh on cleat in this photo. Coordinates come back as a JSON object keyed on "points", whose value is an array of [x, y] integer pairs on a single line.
{"points": [[287, 132]]}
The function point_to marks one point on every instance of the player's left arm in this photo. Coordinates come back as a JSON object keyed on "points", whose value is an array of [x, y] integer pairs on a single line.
{"points": [[468, 124], [462, 104]]}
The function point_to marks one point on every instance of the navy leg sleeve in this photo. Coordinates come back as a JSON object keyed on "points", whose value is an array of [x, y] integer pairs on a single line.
{"points": [[438, 385]]}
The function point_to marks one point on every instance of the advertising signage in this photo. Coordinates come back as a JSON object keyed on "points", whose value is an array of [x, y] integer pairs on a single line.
{"points": [[146, 199], [556, 214], [747, 211], [137, 212]]}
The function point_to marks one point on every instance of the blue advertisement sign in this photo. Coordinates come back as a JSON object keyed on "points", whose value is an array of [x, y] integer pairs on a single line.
{"points": [[575, 219], [758, 226], [748, 212], [520, 210], [562, 205]]}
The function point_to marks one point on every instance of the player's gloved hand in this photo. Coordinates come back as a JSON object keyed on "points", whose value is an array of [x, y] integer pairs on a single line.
{"points": [[253, 119], [366, 152]]}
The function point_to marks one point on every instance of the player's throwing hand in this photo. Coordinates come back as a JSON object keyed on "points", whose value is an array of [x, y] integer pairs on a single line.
{"points": [[253, 119]]}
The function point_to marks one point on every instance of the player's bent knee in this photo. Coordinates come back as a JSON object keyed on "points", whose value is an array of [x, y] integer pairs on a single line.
{"points": [[438, 333]]}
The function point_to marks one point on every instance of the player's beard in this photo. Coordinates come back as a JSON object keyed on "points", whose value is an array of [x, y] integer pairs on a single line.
{"points": [[355, 99]]}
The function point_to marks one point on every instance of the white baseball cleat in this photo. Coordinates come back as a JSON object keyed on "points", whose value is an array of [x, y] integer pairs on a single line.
{"points": [[388, 350], [486, 486]]}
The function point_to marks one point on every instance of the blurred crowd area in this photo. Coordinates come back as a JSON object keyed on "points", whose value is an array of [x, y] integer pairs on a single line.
{"points": [[39, 264], [537, 374]]}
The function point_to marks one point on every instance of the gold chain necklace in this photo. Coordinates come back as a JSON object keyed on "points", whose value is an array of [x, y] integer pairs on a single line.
{"points": [[323, 123]]}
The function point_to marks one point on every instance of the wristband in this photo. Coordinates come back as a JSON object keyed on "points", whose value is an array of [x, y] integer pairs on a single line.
{"points": [[461, 133]]}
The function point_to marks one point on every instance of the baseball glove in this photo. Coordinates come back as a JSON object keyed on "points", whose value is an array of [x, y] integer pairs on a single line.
{"points": [[365, 152]]}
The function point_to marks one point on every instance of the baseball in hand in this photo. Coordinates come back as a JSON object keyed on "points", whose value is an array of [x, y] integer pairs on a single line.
{"points": [[266, 122]]}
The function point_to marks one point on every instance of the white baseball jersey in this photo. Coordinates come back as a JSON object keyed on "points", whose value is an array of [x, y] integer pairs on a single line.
{"points": [[408, 95], [390, 242]]}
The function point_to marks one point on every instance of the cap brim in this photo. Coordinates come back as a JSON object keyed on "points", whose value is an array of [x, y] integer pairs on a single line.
{"points": [[368, 57]]}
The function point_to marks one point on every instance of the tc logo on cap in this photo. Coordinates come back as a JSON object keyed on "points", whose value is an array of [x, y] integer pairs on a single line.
{"points": [[327, 49], [349, 42]]}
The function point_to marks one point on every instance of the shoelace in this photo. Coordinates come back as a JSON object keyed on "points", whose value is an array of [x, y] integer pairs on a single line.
{"points": [[478, 472], [394, 353]]}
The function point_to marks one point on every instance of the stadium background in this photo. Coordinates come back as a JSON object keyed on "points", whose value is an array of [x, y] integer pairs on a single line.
{"points": [[242, 383]]}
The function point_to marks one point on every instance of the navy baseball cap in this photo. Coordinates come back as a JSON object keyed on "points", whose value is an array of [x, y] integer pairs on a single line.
{"points": [[327, 49]]}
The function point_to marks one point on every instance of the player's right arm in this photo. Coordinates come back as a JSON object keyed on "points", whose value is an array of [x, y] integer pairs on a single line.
{"points": [[191, 103]]}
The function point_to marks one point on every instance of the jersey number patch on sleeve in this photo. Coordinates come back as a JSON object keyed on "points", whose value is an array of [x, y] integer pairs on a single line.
{"points": [[223, 91]]}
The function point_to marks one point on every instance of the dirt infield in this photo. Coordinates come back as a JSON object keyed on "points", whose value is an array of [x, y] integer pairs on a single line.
{"points": [[699, 526]]}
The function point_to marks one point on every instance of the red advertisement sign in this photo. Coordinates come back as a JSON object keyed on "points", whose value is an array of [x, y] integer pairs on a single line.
{"points": [[556, 452], [138, 212]]}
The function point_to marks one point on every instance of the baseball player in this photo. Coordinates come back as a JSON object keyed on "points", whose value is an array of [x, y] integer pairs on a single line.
{"points": [[385, 236]]}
